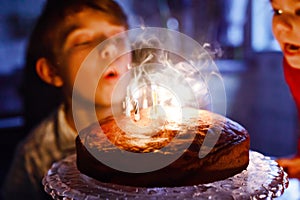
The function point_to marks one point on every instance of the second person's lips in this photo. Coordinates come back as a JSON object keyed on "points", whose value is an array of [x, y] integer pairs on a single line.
{"points": [[291, 48]]}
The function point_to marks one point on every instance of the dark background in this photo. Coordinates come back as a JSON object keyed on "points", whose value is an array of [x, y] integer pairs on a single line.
{"points": [[250, 64]]}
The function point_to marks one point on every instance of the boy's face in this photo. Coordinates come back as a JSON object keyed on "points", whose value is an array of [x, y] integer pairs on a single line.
{"points": [[86, 30], [286, 29]]}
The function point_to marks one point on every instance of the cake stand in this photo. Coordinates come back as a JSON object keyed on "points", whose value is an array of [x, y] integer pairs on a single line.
{"points": [[263, 179]]}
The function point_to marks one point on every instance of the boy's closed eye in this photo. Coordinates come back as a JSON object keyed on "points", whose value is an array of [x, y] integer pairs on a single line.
{"points": [[81, 43], [81, 40], [87, 41]]}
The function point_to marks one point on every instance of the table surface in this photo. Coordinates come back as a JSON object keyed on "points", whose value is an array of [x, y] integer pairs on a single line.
{"points": [[262, 179]]}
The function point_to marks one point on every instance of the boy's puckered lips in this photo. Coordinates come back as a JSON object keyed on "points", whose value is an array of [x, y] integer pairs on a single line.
{"points": [[111, 74]]}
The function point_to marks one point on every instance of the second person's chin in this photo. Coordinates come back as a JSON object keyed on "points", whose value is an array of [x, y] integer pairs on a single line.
{"points": [[294, 62]]}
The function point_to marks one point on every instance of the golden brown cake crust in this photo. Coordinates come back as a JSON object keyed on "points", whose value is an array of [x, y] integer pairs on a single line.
{"points": [[229, 156]]}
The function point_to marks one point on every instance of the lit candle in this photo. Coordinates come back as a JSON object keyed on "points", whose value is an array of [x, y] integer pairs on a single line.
{"points": [[154, 98], [154, 94], [145, 101], [127, 104], [136, 109]]}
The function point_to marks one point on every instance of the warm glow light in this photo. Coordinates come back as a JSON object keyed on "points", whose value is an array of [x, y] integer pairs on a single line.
{"points": [[184, 75]]}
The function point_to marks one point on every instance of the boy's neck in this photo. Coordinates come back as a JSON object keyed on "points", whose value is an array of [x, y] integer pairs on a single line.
{"points": [[84, 116]]}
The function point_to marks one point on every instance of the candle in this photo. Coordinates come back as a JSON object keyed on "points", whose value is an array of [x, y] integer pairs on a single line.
{"points": [[154, 99], [145, 101], [136, 109], [127, 104]]}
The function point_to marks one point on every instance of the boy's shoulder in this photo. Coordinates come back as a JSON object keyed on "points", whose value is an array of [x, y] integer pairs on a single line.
{"points": [[42, 133], [52, 134]]}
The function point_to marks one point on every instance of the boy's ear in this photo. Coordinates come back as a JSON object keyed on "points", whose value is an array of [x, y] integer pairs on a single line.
{"points": [[48, 73]]}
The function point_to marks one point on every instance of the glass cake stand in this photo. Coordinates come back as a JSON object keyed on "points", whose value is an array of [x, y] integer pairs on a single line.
{"points": [[263, 179]]}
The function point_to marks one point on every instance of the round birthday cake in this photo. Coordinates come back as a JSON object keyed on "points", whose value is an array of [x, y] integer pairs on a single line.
{"points": [[224, 156]]}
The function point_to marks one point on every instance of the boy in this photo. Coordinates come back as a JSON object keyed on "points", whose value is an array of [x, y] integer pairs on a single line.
{"points": [[64, 35], [286, 29]]}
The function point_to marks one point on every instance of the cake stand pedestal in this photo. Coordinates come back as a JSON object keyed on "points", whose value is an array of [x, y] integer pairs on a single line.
{"points": [[263, 179]]}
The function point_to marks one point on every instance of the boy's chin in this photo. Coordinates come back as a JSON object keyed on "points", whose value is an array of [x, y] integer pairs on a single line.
{"points": [[102, 103]]}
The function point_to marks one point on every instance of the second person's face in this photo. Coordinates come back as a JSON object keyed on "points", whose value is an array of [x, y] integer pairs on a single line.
{"points": [[286, 29]]}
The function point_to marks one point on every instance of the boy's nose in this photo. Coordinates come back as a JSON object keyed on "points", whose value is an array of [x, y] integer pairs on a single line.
{"points": [[284, 23], [108, 51]]}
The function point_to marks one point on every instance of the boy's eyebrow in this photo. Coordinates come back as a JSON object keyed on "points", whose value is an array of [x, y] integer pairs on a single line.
{"points": [[69, 30]]}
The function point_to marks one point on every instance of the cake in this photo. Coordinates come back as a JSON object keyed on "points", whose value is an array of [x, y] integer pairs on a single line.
{"points": [[229, 155]]}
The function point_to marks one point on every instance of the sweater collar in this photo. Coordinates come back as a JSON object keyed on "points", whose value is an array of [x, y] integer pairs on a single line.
{"points": [[66, 133]]}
